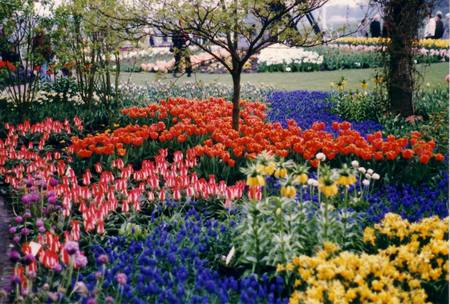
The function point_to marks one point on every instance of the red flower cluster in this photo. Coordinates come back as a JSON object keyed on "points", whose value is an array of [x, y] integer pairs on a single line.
{"points": [[7, 65], [210, 121]]}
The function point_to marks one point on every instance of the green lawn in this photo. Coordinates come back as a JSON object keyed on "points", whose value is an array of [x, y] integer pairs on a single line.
{"points": [[432, 74]]}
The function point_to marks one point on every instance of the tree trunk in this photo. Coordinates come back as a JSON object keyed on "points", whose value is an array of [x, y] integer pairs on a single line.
{"points": [[236, 97], [402, 21], [401, 86]]}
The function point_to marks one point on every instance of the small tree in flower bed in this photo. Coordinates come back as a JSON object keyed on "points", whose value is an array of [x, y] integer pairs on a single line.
{"points": [[203, 128], [57, 209]]}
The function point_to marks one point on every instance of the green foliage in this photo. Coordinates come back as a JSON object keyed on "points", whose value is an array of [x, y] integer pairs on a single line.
{"points": [[366, 103], [275, 230], [431, 118]]}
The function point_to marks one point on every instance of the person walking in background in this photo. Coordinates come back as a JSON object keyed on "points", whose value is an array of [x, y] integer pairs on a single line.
{"points": [[180, 50], [430, 27], [375, 27], [439, 27]]}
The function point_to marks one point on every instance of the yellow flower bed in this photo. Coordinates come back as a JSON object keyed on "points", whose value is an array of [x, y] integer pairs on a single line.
{"points": [[426, 43], [408, 256]]}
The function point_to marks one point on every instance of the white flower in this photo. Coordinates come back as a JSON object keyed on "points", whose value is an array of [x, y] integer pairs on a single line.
{"points": [[368, 176], [366, 182], [355, 164], [362, 170], [375, 176], [313, 182], [320, 156], [370, 171], [230, 255]]}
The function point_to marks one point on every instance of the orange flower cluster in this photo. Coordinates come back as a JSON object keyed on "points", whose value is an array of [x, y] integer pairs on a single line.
{"points": [[210, 122], [109, 143]]}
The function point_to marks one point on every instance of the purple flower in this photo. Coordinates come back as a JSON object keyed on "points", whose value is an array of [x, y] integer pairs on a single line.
{"points": [[121, 278], [12, 230], [25, 231], [41, 229], [71, 247], [26, 198], [19, 219], [27, 215], [52, 199], [41, 183], [57, 268], [15, 279], [91, 301], [53, 182], [29, 182], [39, 222], [80, 261], [14, 256], [16, 239], [34, 197], [102, 259], [28, 259]]}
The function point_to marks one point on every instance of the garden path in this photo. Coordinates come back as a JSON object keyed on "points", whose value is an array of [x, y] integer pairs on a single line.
{"points": [[6, 268]]}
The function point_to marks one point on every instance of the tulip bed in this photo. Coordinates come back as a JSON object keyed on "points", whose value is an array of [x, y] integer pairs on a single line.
{"points": [[170, 205], [344, 53]]}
